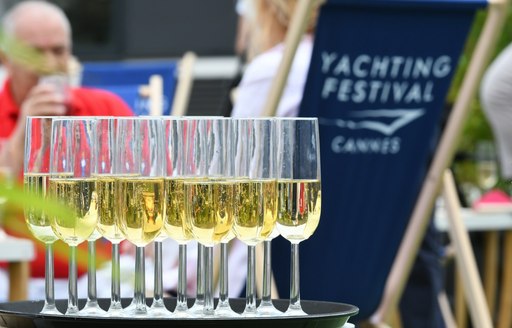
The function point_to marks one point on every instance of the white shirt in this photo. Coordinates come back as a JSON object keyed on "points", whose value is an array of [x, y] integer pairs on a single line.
{"points": [[257, 79]]}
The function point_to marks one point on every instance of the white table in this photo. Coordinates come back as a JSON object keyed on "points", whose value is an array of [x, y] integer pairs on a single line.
{"points": [[491, 223], [18, 253]]}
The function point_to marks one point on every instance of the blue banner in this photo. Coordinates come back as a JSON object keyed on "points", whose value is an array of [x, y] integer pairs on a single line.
{"points": [[124, 78], [378, 80]]}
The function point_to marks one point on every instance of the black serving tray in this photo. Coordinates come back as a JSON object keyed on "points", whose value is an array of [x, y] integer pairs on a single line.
{"points": [[320, 315]]}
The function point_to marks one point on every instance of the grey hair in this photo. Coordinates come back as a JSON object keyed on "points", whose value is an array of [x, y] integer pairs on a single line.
{"points": [[9, 19]]}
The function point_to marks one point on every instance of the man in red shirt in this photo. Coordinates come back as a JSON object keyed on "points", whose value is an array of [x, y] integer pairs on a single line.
{"points": [[43, 27]]}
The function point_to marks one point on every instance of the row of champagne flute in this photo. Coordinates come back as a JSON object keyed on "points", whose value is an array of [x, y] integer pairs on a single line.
{"points": [[145, 179]]}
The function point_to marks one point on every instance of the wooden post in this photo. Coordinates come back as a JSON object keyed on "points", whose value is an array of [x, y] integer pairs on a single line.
{"points": [[505, 315], [465, 259], [184, 87], [19, 274]]}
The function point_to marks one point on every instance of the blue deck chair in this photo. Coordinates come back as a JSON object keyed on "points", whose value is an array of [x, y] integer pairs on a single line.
{"points": [[125, 78], [378, 80]]}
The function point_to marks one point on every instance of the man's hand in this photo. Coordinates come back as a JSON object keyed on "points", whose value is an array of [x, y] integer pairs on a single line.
{"points": [[42, 100]]}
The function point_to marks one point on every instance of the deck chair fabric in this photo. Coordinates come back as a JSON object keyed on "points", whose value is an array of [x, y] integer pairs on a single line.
{"points": [[378, 80], [125, 78]]}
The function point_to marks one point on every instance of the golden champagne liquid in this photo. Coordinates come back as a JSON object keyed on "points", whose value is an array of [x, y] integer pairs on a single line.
{"points": [[141, 206], [256, 210], [107, 213], [299, 205], [175, 223], [209, 208], [80, 196], [38, 223]]}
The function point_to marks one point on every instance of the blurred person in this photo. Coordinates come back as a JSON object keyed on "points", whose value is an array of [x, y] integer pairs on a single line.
{"points": [[268, 23], [496, 100], [44, 29]]}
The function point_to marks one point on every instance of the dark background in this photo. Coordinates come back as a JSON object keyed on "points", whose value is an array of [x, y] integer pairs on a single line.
{"points": [[128, 29]]}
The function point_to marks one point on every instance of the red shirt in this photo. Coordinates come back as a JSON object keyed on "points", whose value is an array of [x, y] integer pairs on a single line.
{"points": [[83, 102]]}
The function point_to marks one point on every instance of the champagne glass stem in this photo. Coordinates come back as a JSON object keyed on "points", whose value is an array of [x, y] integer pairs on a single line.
{"points": [[208, 292], [72, 288], [139, 297], [266, 297], [250, 296], [197, 310], [91, 272], [115, 300], [181, 302], [294, 280], [49, 302], [200, 274], [223, 293], [159, 289]]}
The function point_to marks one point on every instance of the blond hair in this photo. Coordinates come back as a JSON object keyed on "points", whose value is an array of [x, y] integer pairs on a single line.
{"points": [[271, 21]]}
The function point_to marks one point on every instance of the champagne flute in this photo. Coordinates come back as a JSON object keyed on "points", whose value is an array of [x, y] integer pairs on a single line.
{"points": [[108, 225], [299, 191], [71, 161], [257, 193], [194, 131], [209, 199], [487, 167], [36, 169], [175, 224], [140, 192]]}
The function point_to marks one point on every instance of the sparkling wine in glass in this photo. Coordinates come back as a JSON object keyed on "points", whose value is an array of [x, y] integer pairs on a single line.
{"points": [[36, 177], [209, 198], [71, 183], [299, 191], [256, 201], [108, 225], [175, 224], [140, 192]]}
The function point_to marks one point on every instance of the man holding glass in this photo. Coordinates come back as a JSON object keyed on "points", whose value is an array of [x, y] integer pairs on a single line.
{"points": [[37, 42]]}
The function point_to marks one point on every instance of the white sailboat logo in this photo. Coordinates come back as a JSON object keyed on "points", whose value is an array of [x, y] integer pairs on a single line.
{"points": [[401, 116]]}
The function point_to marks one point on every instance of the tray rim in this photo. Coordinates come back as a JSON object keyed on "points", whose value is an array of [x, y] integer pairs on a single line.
{"points": [[351, 311]]}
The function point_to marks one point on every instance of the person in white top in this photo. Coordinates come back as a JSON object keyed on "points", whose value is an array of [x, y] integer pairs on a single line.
{"points": [[268, 25], [496, 99], [267, 22]]}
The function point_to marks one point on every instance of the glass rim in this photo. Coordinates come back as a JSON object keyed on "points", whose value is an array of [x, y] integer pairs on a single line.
{"points": [[75, 118], [296, 118]]}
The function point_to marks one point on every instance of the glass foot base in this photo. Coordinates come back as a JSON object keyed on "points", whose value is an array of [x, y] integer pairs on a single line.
{"points": [[115, 312], [73, 310], [135, 310], [224, 310], [268, 309], [197, 310], [158, 309], [92, 309], [50, 309], [250, 311], [295, 311]]}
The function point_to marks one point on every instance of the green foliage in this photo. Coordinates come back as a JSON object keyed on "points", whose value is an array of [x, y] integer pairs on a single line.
{"points": [[17, 197], [23, 54]]}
